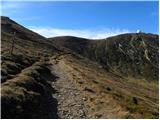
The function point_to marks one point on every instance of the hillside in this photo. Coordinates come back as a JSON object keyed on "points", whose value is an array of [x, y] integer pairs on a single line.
{"points": [[25, 74], [133, 54], [69, 77]]}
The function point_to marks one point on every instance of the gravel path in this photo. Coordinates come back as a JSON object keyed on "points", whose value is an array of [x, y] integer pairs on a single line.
{"points": [[70, 102]]}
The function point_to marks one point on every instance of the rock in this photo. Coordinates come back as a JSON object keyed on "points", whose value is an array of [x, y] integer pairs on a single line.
{"points": [[71, 117], [89, 90], [80, 81], [59, 103], [98, 116], [78, 105], [108, 89], [81, 116], [94, 81], [91, 99], [84, 99], [72, 104], [76, 93], [59, 95]]}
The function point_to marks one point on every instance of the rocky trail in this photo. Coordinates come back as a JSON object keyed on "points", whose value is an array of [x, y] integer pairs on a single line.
{"points": [[70, 102], [73, 102]]}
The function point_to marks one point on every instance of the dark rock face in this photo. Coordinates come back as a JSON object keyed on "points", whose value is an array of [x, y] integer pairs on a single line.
{"points": [[128, 54]]}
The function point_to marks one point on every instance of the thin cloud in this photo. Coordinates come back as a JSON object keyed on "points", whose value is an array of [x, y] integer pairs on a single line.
{"points": [[91, 34]]}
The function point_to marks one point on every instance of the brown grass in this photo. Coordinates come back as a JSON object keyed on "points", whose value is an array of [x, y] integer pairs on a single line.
{"points": [[114, 96]]}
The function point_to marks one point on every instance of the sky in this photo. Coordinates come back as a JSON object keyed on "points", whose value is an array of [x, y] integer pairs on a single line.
{"points": [[90, 19]]}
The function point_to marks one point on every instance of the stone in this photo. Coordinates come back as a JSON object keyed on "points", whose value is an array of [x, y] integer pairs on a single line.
{"points": [[80, 81], [94, 81], [84, 99], [89, 90]]}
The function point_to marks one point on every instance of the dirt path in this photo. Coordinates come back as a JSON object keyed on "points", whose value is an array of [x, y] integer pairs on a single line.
{"points": [[70, 102], [78, 101]]}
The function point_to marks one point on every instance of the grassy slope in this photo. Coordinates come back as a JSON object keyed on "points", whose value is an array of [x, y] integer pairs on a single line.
{"points": [[25, 89], [119, 97]]}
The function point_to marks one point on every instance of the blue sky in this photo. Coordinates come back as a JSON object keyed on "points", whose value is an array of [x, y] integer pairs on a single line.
{"points": [[84, 19]]}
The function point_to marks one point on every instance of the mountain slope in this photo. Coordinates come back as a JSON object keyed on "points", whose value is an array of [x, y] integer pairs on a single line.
{"points": [[128, 54], [104, 94], [25, 88], [70, 77], [10, 26], [25, 39]]}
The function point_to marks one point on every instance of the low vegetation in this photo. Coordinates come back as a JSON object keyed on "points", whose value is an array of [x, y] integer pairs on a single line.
{"points": [[26, 91], [119, 96], [29, 95]]}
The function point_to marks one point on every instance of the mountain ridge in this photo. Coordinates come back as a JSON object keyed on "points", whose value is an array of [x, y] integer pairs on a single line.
{"points": [[121, 44]]}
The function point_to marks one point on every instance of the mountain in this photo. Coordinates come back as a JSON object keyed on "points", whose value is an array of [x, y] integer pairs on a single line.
{"points": [[27, 40], [134, 54], [71, 77]]}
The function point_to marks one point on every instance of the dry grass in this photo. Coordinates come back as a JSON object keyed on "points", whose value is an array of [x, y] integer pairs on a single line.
{"points": [[113, 96], [27, 94]]}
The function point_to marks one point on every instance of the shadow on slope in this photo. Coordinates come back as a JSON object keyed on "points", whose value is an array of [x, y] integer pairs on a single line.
{"points": [[29, 95]]}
